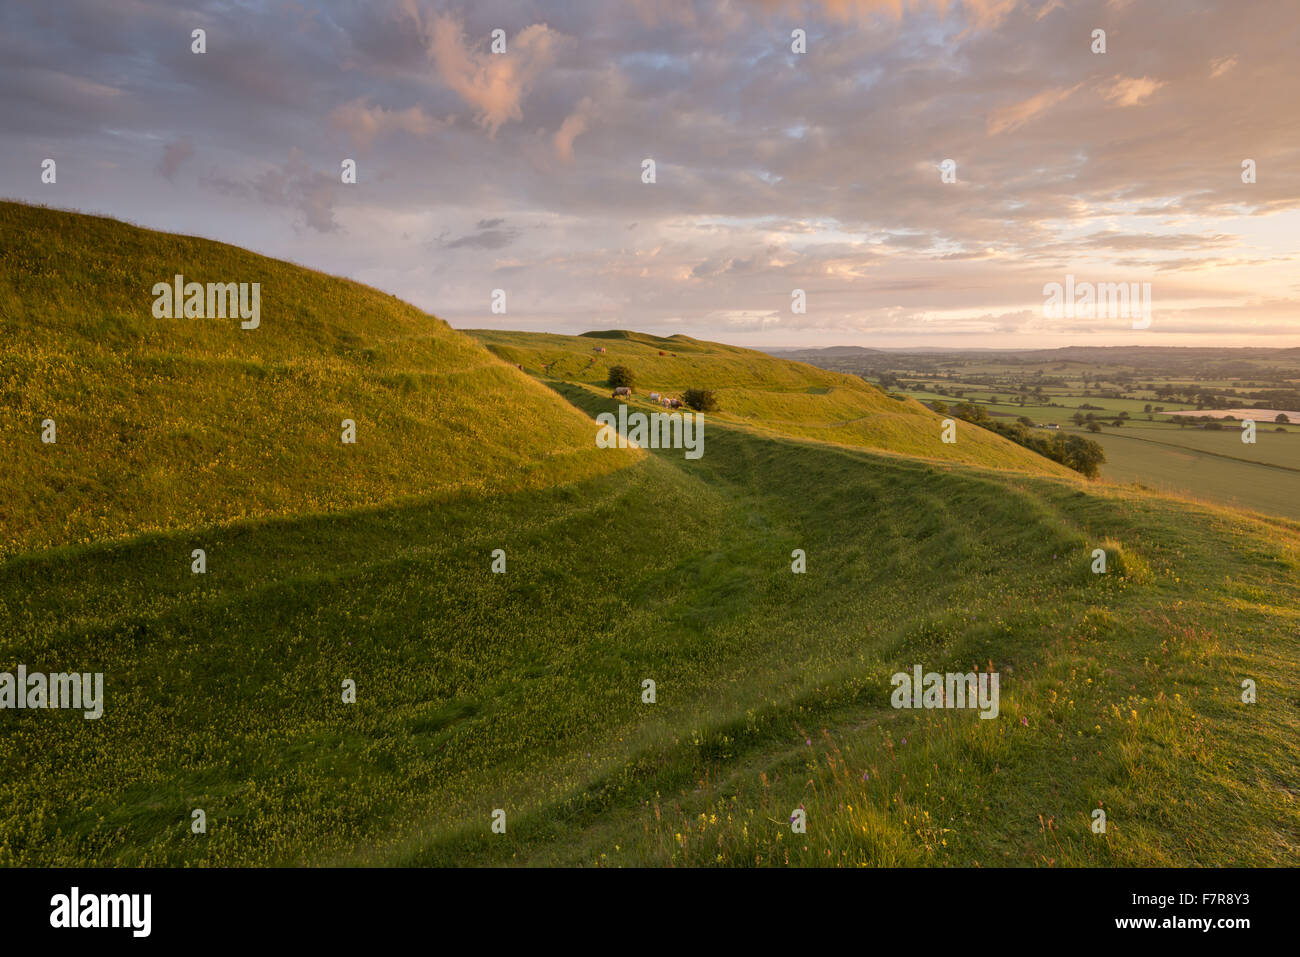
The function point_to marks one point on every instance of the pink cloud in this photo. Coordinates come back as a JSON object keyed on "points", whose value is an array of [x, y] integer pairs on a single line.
{"points": [[364, 122], [1130, 91], [1018, 114], [495, 84]]}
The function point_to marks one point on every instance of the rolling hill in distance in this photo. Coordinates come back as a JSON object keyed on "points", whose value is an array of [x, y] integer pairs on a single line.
{"points": [[760, 393], [523, 690]]}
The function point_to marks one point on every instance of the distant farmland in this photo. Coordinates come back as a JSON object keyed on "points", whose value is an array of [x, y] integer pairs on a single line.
{"points": [[1212, 466], [1145, 402]]}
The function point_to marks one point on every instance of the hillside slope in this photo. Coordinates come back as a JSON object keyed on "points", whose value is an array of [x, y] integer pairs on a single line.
{"points": [[522, 690], [763, 393], [174, 423]]}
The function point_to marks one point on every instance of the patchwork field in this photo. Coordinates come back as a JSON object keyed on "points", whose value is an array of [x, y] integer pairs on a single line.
{"points": [[1213, 466]]}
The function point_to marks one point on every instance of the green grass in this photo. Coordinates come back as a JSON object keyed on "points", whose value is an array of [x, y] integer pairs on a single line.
{"points": [[1210, 466], [522, 691], [175, 423], [762, 393]]}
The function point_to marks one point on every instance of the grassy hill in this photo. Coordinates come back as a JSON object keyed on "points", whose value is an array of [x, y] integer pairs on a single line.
{"points": [[762, 393], [522, 691], [180, 423]]}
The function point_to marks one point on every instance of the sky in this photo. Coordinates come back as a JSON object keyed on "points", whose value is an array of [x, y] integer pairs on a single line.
{"points": [[774, 170]]}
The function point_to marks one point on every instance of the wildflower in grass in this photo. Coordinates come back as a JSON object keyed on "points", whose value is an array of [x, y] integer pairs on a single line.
{"points": [[1024, 721]]}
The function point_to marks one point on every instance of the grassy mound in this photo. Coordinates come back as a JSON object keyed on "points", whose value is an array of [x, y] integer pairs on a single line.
{"points": [[180, 423]]}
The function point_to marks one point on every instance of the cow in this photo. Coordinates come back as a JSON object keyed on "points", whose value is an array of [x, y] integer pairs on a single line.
{"points": [[621, 390], [654, 396]]}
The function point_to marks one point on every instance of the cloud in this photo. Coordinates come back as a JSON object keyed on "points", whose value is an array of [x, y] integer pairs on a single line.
{"points": [[490, 235], [574, 125], [495, 84], [980, 13], [1221, 65], [1012, 117], [1130, 91], [294, 185], [364, 122], [174, 154]]}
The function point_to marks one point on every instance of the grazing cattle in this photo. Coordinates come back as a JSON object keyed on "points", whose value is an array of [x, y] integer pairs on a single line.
{"points": [[621, 390], [600, 349], [654, 396]]}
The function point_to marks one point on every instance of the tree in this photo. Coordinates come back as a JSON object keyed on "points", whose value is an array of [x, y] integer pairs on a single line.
{"points": [[940, 407], [620, 376], [1282, 418], [1094, 427], [1083, 455], [701, 400], [970, 412]]}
